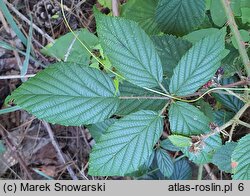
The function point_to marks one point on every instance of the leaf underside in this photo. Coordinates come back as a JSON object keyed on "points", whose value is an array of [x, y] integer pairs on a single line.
{"points": [[126, 145], [68, 94]]}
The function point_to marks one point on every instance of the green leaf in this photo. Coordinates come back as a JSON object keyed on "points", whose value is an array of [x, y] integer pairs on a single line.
{"points": [[68, 94], [182, 170], [170, 49], [68, 48], [106, 3], [245, 15], [130, 50], [244, 35], [164, 162], [229, 101], [205, 153], [144, 168], [228, 63], [126, 145], [222, 157], [167, 145], [179, 16], [241, 157], [128, 106], [142, 12], [218, 14], [2, 147], [206, 108], [198, 35], [180, 141], [198, 65], [221, 117], [96, 130], [187, 120]]}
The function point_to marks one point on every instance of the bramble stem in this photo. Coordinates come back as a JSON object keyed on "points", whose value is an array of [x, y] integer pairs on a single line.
{"points": [[200, 171], [236, 33]]}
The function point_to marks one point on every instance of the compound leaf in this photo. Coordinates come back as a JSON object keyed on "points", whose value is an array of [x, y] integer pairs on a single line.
{"points": [[222, 157], [68, 94], [185, 119], [130, 50], [170, 49], [241, 158], [179, 16], [126, 145], [198, 65], [164, 162]]}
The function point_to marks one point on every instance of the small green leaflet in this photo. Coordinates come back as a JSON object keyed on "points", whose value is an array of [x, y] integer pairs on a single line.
{"points": [[68, 94], [198, 65], [179, 16], [142, 12], [130, 50], [128, 106], [185, 119], [126, 145], [198, 35], [167, 145], [69, 49], [164, 162], [241, 158], [180, 141], [222, 157], [170, 49]]}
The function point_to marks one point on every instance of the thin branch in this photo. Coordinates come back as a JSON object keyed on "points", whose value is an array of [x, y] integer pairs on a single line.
{"points": [[115, 8], [143, 97], [16, 76], [210, 173], [200, 171], [237, 36], [58, 150], [244, 124]]}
